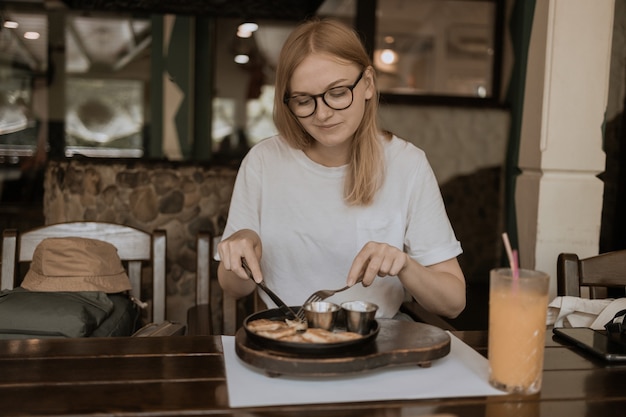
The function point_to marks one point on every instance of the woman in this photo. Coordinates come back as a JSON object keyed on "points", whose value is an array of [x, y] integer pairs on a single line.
{"points": [[332, 199]]}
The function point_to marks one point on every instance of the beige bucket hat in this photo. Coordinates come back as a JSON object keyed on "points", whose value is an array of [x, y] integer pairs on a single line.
{"points": [[76, 264]]}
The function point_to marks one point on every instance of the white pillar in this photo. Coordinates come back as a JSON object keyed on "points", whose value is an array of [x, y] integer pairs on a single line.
{"points": [[558, 195]]}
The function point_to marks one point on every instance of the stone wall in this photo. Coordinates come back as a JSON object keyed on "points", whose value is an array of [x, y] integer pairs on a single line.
{"points": [[179, 198]]}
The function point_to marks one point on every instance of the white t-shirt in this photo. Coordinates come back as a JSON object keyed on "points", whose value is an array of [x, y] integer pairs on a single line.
{"points": [[310, 236]]}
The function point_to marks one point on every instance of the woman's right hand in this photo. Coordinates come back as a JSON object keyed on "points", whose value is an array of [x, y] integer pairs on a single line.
{"points": [[246, 244]]}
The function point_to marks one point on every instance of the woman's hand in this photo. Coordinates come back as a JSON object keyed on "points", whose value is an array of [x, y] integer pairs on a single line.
{"points": [[246, 244], [376, 259], [440, 288]]}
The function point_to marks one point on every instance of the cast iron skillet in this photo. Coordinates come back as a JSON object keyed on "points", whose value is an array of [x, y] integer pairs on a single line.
{"points": [[297, 347]]}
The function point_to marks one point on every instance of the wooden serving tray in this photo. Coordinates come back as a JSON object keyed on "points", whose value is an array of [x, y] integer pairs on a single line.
{"points": [[398, 343]]}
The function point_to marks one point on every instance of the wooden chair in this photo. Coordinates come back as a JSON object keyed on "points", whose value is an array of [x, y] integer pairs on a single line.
{"points": [[135, 247], [600, 272], [215, 312]]}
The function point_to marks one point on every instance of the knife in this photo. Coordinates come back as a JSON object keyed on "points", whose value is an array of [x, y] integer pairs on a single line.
{"points": [[284, 308]]}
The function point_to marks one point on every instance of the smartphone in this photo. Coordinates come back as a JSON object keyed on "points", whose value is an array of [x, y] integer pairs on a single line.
{"points": [[595, 342]]}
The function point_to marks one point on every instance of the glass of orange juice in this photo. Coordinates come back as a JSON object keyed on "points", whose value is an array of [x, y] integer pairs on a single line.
{"points": [[517, 327]]}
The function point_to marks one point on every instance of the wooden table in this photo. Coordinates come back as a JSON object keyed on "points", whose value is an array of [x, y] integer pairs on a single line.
{"points": [[185, 375]]}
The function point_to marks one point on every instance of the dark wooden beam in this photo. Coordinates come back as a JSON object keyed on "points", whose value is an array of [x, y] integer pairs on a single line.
{"points": [[246, 9]]}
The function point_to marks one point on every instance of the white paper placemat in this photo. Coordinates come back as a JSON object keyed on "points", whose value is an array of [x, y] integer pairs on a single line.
{"points": [[462, 373]]}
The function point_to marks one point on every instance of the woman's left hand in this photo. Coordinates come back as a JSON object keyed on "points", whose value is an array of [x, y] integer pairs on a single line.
{"points": [[376, 259], [439, 288]]}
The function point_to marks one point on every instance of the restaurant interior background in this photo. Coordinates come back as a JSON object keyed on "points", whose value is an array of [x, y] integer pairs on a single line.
{"points": [[139, 113]]}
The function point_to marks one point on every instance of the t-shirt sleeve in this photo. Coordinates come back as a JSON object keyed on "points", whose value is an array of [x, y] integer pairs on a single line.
{"points": [[244, 207], [429, 238]]}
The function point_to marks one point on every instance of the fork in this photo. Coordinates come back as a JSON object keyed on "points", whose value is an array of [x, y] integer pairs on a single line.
{"points": [[321, 295]]}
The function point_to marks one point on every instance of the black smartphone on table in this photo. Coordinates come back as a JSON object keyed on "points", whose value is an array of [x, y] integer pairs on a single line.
{"points": [[596, 342]]}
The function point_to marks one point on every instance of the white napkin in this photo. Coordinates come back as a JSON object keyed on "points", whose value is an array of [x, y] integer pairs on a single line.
{"points": [[569, 311], [462, 373]]}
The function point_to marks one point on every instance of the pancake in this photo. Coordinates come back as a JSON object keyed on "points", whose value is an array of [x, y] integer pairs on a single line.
{"points": [[289, 331], [266, 325]]}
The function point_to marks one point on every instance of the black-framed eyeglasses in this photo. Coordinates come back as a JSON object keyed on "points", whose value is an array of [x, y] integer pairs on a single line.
{"points": [[337, 98]]}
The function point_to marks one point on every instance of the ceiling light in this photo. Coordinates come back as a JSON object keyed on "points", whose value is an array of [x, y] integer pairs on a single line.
{"points": [[243, 34], [248, 27], [11, 24], [388, 56], [242, 59], [31, 35], [245, 30], [386, 60]]}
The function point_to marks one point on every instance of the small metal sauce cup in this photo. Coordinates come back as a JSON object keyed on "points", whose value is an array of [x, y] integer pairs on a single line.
{"points": [[321, 314], [359, 316]]}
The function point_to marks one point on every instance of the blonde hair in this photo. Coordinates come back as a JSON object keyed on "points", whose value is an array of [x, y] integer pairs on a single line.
{"points": [[366, 165]]}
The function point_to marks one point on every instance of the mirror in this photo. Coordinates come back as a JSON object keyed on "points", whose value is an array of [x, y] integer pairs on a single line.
{"points": [[435, 47], [97, 91]]}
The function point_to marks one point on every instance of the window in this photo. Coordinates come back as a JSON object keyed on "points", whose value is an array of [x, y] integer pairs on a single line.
{"points": [[437, 50]]}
